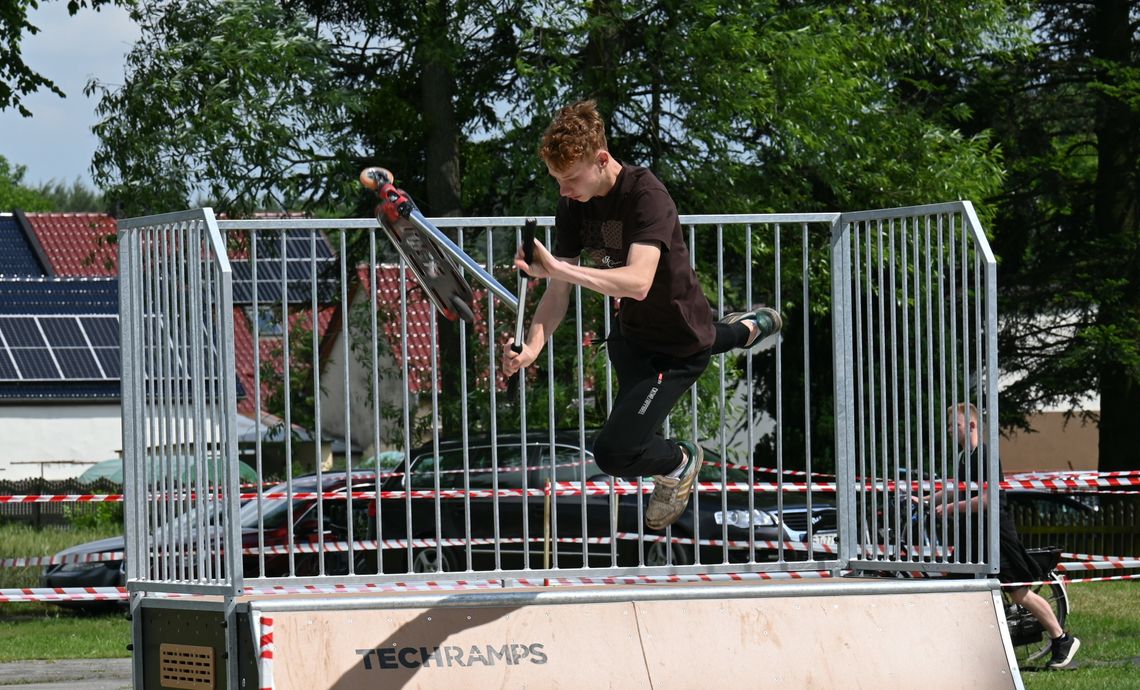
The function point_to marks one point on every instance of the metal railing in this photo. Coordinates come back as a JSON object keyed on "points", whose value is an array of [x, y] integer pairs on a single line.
{"points": [[442, 468]]}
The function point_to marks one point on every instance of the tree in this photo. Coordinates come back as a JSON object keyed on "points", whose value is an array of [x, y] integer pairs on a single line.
{"points": [[13, 193], [1068, 228], [738, 106]]}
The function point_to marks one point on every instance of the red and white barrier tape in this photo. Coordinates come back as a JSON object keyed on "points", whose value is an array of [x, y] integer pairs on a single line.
{"points": [[621, 487], [1077, 566], [64, 594], [265, 653], [1094, 557], [60, 560]]}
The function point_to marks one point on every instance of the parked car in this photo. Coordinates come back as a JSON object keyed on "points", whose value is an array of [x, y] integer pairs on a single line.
{"points": [[504, 519], [710, 517], [268, 517]]}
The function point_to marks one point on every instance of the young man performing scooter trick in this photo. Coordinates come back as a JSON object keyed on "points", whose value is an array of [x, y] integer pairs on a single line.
{"points": [[623, 218]]}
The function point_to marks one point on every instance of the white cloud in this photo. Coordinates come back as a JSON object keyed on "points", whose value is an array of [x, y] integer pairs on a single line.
{"points": [[56, 142]]}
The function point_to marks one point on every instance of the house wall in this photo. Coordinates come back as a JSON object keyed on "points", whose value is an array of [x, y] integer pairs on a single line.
{"points": [[1054, 445], [361, 413], [86, 433]]}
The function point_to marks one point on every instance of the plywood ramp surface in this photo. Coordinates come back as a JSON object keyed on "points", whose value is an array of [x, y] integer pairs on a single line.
{"points": [[929, 641]]}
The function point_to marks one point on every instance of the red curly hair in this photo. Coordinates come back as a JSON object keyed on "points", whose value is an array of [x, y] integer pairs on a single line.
{"points": [[576, 132]]}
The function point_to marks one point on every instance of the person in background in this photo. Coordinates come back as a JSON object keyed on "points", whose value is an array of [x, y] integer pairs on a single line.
{"points": [[1016, 563]]}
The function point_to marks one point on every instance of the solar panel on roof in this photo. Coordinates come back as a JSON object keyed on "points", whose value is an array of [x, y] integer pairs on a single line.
{"points": [[53, 297], [34, 364], [101, 331], [17, 258], [306, 254], [66, 353], [63, 332], [21, 332], [7, 369], [76, 363]]}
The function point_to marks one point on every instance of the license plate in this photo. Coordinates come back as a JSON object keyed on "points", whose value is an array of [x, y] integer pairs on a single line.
{"points": [[828, 541]]}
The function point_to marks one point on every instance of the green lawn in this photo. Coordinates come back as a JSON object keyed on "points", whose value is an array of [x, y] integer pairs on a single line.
{"points": [[1106, 618]]}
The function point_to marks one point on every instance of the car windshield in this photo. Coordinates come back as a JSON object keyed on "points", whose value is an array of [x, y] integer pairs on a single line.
{"points": [[570, 464]]}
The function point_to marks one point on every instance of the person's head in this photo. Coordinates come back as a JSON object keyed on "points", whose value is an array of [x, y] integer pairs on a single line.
{"points": [[964, 423], [574, 150]]}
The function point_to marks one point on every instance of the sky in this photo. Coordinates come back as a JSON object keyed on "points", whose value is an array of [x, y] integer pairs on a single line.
{"points": [[56, 143]]}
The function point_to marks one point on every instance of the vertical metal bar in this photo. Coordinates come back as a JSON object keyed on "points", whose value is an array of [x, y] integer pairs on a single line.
{"points": [[493, 376], [805, 271], [721, 383], [374, 353], [931, 413], [749, 413], [905, 416], [845, 404], [315, 364], [858, 397], [497, 508], [287, 377], [895, 412], [132, 392], [258, 459], [202, 505], [407, 421], [342, 259], [779, 298], [581, 379], [961, 545], [882, 435], [943, 269], [464, 433]]}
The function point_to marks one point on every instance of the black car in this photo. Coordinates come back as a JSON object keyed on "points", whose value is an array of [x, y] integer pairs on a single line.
{"points": [[516, 522], [263, 526]]}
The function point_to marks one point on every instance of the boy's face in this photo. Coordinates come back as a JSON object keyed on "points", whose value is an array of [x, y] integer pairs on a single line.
{"points": [[585, 179]]}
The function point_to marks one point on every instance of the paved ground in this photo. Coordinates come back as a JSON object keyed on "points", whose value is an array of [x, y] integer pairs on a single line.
{"points": [[69, 674]]}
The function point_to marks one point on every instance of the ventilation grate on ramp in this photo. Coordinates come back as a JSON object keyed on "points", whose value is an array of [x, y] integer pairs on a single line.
{"points": [[186, 667]]}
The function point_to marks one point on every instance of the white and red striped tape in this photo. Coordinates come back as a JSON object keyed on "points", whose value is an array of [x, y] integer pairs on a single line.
{"points": [[602, 488], [388, 544], [60, 560], [265, 653]]}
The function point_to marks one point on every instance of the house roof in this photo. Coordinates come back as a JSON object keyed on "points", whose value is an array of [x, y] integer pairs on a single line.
{"points": [[77, 244]]}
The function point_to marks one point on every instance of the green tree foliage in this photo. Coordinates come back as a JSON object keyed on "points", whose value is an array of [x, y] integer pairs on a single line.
{"points": [[737, 106], [1067, 230], [76, 197], [13, 193]]}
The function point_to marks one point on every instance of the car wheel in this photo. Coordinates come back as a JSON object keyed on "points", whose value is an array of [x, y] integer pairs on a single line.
{"points": [[433, 561], [658, 553]]}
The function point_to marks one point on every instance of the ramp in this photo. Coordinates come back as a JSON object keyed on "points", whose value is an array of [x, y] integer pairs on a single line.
{"points": [[850, 634]]}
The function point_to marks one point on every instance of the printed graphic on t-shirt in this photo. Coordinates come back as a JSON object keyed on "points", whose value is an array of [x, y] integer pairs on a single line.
{"points": [[602, 241]]}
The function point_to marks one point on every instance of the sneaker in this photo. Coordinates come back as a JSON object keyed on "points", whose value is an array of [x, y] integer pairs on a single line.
{"points": [[1064, 649], [767, 320], [671, 494]]}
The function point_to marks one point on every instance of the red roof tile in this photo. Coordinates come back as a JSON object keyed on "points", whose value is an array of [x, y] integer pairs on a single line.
{"points": [[77, 244]]}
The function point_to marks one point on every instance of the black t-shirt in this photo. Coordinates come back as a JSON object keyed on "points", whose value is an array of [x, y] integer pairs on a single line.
{"points": [[674, 318]]}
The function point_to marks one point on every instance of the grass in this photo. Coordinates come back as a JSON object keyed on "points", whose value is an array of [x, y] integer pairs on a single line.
{"points": [[47, 631], [1106, 616]]}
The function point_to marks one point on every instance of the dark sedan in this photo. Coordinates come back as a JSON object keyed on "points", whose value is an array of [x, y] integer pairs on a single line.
{"points": [[512, 519], [263, 523]]}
